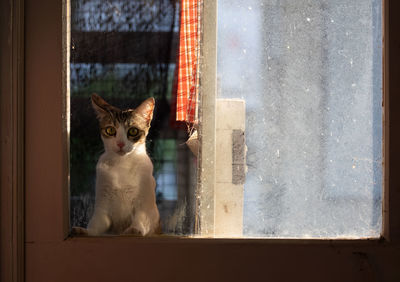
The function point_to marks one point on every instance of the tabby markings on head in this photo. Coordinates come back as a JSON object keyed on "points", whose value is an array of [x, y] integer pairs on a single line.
{"points": [[123, 125]]}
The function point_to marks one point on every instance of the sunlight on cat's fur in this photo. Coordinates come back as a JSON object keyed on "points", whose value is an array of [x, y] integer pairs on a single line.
{"points": [[125, 187]]}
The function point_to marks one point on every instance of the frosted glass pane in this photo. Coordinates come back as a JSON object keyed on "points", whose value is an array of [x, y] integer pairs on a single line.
{"points": [[310, 73]]}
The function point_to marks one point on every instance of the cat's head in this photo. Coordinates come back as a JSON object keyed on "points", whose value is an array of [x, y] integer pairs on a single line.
{"points": [[123, 131]]}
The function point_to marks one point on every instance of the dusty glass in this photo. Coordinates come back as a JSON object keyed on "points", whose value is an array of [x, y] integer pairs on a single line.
{"points": [[310, 73]]}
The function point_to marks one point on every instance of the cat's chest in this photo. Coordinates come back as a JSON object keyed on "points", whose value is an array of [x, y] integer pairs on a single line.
{"points": [[121, 174], [116, 168]]}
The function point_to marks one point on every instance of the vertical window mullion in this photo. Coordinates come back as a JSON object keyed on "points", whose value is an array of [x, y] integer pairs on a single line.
{"points": [[205, 215]]}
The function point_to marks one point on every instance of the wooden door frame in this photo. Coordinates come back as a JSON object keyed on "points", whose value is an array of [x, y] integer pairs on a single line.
{"points": [[33, 169], [12, 140]]}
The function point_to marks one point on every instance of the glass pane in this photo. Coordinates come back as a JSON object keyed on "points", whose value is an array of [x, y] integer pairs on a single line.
{"points": [[310, 73], [125, 52]]}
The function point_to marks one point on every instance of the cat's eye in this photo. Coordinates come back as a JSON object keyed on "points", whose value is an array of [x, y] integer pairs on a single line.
{"points": [[110, 131], [133, 132]]}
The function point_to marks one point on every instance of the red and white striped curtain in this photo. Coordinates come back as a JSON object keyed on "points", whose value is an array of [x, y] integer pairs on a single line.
{"points": [[187, 87]]}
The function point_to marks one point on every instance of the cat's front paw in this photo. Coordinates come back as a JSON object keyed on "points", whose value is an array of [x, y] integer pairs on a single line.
{"points": [[132, 231], [79, 231]]}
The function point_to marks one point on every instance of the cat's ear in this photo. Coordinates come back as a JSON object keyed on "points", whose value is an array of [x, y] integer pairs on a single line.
{"points": [[146, 110], [101, 107]]}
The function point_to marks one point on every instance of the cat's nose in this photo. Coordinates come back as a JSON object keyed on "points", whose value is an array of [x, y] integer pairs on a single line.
{"points": [[120, 144]]}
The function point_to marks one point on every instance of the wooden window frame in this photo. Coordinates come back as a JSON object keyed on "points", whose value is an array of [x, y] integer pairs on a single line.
{"points": [[12, 140], [34, 227]]}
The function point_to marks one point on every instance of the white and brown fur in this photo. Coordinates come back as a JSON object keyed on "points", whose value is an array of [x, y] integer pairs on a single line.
{"points": [[125, 187]]}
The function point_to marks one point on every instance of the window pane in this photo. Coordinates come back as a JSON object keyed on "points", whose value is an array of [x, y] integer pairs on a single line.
{"points": [[310, 73], [125, 52]]}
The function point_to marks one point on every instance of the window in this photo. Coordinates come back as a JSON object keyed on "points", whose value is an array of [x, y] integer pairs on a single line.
{"points": [[310, 75], [125, 51], [298, 118], [50, 255]]}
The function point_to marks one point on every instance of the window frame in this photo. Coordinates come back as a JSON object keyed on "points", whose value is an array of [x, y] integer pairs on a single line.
{"points": [[12, 150], [34, 179]]}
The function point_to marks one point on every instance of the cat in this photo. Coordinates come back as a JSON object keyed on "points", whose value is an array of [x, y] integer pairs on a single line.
{"points": [[125, 200]]}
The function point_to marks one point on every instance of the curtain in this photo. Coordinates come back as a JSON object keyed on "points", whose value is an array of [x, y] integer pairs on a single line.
{"points": [[187, 71]]}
